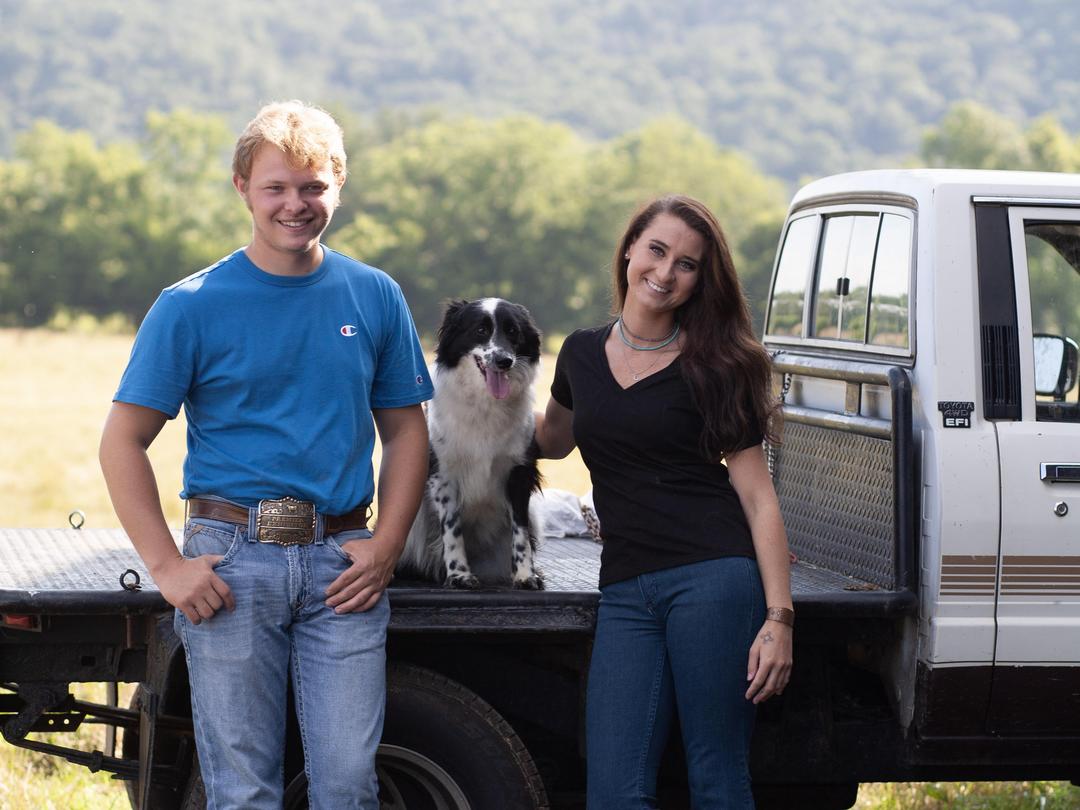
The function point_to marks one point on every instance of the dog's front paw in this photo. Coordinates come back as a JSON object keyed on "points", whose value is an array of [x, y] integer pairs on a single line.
{"points": [[533, 582], [460, 581]]}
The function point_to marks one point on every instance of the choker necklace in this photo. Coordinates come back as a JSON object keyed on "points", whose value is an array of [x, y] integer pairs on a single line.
{"points": [[635, 336], [663, 341]]}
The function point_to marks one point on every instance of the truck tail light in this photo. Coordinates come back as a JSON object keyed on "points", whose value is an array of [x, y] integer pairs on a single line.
{"points": [[20, 621]]}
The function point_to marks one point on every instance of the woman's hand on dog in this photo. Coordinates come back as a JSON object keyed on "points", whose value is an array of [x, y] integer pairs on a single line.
{"points": [[362, 583]]}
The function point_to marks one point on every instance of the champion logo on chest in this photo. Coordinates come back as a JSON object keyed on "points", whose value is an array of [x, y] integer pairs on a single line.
{"points": [[348, 330]]}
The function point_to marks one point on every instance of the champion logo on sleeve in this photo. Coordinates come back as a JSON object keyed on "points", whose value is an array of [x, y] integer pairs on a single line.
{"points": [[348, 330]]}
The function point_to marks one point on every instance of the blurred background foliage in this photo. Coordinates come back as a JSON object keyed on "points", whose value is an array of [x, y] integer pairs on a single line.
{"points": [[805, 87], [494, 149], [448, 205]]}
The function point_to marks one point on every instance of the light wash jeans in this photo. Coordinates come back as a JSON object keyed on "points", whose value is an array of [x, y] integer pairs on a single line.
{"points": [[239, 664], [676, 638]]}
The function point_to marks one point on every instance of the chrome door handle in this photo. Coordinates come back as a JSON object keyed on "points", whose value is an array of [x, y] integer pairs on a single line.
{"points": [[1057, 472]]}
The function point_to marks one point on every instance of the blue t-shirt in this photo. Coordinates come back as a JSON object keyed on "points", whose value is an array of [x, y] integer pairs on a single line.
{"points": [[278, 376]]}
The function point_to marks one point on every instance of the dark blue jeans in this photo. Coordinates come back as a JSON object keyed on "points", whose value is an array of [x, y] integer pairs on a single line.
{"points": [[667, 641]]}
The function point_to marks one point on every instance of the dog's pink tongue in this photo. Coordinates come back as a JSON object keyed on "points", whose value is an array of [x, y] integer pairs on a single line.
{"points": [[498, 383]]}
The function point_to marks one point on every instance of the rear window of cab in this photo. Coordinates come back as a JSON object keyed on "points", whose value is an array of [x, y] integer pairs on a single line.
{"points": [[843, 280]]}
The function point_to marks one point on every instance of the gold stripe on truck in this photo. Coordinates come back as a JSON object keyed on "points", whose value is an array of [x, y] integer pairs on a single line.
{"points": [[1040, 576], [1021, 575], [968, 574]]}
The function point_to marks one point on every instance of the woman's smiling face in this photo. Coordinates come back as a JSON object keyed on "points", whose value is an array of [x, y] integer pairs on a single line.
{"points": [[664, 266]]}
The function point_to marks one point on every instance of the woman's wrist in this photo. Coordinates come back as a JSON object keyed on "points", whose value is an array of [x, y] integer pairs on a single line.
{"points": [[782, 615]]}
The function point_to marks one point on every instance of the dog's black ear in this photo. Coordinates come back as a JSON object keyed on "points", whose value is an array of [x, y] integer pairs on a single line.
{"points": [[526, 316], [531, 336], [452, 315], [454, 308]]}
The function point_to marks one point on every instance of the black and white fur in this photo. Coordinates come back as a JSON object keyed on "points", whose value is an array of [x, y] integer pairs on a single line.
{"points": [[475, 527]]}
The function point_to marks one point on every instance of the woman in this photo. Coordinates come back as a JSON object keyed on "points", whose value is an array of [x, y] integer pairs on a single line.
{"points": [[695, 612]]}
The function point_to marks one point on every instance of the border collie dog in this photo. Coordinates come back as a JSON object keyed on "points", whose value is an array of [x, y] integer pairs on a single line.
{"points": [[474, 528]]}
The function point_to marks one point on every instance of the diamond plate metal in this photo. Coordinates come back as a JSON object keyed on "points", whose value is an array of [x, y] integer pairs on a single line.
{"points": [[570, 564], [44, 560], [836, 496]]}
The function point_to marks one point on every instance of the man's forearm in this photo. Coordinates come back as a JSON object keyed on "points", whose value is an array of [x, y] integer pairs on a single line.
{"points": [[402, 474], [134, 493]]}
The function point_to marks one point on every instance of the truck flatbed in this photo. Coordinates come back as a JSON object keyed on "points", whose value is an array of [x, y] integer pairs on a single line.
{"points": [[68, 571]]}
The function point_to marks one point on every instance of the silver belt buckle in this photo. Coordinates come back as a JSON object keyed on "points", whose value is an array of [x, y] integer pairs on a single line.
{"points": [[286, 521]]}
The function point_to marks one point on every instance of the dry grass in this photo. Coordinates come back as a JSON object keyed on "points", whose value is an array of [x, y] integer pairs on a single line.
{"points": [[30, 781], [969, 796]]}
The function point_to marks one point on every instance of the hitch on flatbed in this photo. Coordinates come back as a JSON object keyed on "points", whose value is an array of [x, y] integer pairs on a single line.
{"points": [[50, 707]]}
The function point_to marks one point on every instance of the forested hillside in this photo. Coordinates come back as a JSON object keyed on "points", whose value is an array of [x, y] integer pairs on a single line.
{"points": [[803, 87]]}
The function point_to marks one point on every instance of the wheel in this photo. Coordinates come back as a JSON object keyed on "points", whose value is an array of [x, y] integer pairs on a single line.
{"points": [[443, 748], [408, 780], [194, 795], [439, 721]]}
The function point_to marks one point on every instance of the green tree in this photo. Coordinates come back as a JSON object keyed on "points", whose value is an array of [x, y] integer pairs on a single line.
{"points": [[103, 229], [758, 250], [64, 222], [471, 208], [973, 136], [192, 216], [1050, 146]]}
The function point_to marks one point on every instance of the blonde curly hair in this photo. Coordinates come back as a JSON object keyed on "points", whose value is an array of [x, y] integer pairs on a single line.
{"points": [[309, 136]]}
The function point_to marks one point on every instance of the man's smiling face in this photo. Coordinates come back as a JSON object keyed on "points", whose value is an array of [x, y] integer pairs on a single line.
{"points": [[290, 208]]}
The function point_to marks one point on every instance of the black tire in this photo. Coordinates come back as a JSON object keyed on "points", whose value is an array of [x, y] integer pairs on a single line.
{"points": [[194, 795], [444, 748]]}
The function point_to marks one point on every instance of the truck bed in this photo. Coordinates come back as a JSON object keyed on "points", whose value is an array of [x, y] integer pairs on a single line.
{"points": [[68, 571]]}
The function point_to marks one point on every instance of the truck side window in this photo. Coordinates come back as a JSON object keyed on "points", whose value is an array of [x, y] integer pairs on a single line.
{"points": [[796, 258], [847, 257], [843, 279], [1053, 260], [889, 302]]}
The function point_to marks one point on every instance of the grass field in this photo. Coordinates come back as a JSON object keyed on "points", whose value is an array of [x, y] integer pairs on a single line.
{"points": [[56, 391]]}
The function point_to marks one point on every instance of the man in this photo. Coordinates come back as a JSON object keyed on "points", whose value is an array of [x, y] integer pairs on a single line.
{"points": [[281, 354]]}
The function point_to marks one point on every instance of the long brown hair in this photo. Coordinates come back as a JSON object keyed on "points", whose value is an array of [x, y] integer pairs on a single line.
{"points": [[728, 370]]}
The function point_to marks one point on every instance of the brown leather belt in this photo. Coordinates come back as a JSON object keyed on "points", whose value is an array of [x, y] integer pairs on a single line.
{"points": [[285, 521]]}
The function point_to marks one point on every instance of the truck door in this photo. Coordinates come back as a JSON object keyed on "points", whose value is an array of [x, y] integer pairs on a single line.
{"points": [[1037, 649]]}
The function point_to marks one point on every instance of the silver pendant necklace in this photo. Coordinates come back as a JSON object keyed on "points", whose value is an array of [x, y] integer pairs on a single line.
{"points": [[637, 375]]}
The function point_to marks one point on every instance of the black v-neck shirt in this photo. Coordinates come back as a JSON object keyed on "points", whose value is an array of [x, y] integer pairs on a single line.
{"points": [[660, 502]]}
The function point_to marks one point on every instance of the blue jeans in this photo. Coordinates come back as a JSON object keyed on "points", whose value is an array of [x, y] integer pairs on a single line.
{"points": [[240, 662], [667, 641]]}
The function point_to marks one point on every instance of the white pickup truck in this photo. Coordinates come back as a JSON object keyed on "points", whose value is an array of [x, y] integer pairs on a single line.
{"points": [[923, 326]]}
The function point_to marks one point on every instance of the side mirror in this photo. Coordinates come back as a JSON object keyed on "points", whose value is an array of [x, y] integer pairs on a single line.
{"points": [[1055, 365]]}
